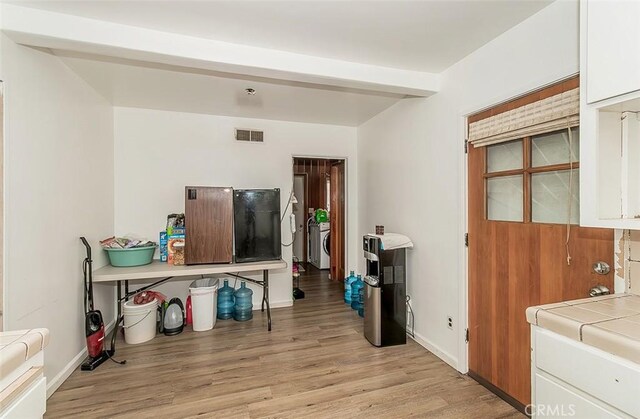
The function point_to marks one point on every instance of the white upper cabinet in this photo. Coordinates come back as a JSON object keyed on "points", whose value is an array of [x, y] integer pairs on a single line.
{"points": [[613, 48], [610, 114]]}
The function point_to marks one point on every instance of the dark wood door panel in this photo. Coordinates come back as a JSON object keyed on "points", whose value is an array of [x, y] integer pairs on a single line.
{"points": [[209, 225], [317, 171], [337, 220], [513, 266]]}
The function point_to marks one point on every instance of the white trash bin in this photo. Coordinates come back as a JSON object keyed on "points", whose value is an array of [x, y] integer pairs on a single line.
{"points": [[139, 321], [204, 301]]}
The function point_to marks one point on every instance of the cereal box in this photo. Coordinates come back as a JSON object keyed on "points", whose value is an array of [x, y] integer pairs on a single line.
{"points": [[175, 249]]}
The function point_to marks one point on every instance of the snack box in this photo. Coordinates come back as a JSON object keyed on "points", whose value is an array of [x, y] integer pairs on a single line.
{"points": [[176, 231], [175, 249], [164, 238]]}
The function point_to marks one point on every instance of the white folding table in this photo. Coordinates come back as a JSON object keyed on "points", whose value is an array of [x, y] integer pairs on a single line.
{"points": [[166, 272]]}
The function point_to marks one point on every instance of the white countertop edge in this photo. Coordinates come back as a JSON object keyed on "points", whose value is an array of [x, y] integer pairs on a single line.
{"points": [[157, 269]]}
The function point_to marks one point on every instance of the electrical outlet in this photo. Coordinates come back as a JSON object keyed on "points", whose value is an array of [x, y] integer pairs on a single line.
{"points": [[450, 322]]}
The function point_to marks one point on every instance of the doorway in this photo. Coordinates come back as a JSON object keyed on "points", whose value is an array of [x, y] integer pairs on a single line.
{"points": [[525, 248], [319, 246]]}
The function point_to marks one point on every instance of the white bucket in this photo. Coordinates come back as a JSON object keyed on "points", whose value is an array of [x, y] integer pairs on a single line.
{"points": [[204, 303], [139, 321]]}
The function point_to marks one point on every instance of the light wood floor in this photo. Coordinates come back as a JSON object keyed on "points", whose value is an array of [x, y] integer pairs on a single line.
{"points": [[315, 363]]}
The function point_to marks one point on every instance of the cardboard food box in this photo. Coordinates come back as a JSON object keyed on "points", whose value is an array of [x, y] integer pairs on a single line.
{"points": [[164, 238], [175, 249]]}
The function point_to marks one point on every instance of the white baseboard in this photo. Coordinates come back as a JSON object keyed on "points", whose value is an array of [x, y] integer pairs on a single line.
{"points": [[280, 304], [443, 355], [257, 305], [56, 382]]}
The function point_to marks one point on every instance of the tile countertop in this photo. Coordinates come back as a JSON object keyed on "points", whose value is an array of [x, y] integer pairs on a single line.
{"points": [[17, 346], [610, 322]]}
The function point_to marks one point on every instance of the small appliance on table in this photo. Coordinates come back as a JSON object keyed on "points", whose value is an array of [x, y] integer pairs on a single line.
{"points": [[385, 293], [256, 218], [209, 225]]}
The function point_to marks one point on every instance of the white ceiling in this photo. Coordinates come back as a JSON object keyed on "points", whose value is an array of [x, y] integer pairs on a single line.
{"points": [[153, 86], [416, 35], [425, 36]]}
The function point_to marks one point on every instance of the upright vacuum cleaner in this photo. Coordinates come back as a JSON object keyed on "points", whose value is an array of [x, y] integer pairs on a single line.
{"points": [[93, 322]]}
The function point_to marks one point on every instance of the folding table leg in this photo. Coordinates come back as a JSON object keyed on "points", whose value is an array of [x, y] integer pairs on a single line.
{"points": [[265, 296]]}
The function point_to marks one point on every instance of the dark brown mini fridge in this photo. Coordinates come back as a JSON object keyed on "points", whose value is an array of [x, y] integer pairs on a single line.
{"points": [[209, 224]]}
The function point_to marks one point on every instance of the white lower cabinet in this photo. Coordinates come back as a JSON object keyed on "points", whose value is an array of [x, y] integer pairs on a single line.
{"points": [[553, 400], [572, 379], [31, 404]]}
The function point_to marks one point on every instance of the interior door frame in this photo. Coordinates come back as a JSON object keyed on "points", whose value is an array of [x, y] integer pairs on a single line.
{"points": [[338, 199], [514, 92], [305, 233], [514, 397], [347, 193], [463, 264]]}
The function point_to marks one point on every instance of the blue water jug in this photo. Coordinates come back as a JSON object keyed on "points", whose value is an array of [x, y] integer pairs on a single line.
{"points": [[243, 309], [347, 286], [356, 286], [361, 303], [226, 301]]}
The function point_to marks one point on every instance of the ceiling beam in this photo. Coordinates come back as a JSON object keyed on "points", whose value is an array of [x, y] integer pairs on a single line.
{"points": [[46, 29]]}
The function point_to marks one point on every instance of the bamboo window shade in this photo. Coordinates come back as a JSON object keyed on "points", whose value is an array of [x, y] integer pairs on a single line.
{"points": [[556, 112]]}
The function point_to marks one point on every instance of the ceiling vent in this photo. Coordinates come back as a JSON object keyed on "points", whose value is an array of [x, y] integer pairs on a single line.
{"points": [[249, 135]]}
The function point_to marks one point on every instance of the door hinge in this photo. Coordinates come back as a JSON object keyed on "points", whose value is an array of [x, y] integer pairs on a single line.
{"points": [[466, 146], [466, 335], [466, 239]]}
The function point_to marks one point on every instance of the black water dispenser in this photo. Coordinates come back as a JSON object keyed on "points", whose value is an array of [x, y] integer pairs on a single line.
{"points": [[385, 302]]}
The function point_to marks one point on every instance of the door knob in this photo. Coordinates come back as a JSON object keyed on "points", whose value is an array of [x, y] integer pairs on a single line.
{"points": [[601, 268]]}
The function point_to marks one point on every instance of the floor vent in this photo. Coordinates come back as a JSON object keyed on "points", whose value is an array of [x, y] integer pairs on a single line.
{"points": [[249, 135]]}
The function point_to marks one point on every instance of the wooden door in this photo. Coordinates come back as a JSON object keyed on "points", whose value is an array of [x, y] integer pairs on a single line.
{"points": [[209, 223], [514, 265], [337, 221]]}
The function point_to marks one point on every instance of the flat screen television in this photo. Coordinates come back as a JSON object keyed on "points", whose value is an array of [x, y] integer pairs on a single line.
{"points": [[256, 219]]}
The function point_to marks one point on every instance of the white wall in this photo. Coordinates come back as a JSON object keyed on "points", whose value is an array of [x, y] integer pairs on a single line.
{"points": [[412, 166], [58, 177], [158, 153]]}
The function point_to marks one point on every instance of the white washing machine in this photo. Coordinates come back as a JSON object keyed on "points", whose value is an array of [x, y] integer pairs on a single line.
{"points": [[319, 245]]}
